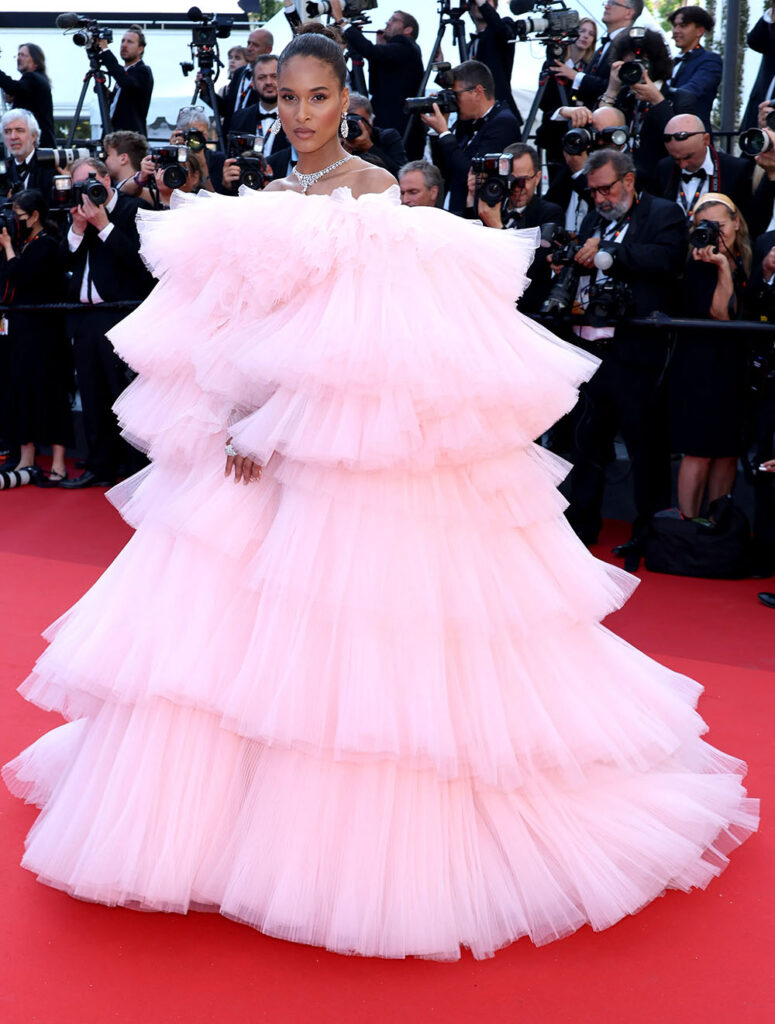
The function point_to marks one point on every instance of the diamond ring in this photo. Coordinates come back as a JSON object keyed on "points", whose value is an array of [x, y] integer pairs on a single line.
{"points": [[230, 450]]}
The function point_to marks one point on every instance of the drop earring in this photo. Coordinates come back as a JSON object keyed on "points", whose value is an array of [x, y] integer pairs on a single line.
{"points": [[276, 127], [344, 128]]}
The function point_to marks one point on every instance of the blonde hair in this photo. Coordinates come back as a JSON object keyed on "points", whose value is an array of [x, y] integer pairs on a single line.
{"points": [[742, 236]]}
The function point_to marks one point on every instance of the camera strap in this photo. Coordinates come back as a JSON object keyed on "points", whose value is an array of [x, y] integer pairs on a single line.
{"points": [[714, 185]]}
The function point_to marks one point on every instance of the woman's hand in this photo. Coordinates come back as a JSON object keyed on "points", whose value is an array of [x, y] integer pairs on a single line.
{"points": [[709, 254], [244, 469], [648, 92], [768, 466], [7, 244], [614, 82]]}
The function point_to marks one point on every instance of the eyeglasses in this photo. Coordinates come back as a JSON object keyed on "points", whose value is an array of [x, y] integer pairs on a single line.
{"points": [[604, 190], [615, 3], [468, 88], [679, 136], [522, 180]]}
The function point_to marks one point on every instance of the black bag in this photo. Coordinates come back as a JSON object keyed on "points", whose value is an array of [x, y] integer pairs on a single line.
{"points": [[715, 549]]}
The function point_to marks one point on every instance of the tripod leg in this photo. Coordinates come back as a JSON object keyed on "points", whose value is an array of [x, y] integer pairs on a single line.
{"points": [[425, 78], [78, 109], [102, 101], [212, 99], [528, 125]]}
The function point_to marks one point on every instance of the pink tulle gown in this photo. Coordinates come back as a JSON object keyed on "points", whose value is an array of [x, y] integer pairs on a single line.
{"points": [[366, 703]]}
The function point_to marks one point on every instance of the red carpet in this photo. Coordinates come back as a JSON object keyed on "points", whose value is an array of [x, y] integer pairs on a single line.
{"points": [[702, 957]]}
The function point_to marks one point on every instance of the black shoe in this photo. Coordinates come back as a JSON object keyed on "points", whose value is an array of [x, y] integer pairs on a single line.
{"points": [[52, 480], [767, 598], [86, 479], [632, 546]]}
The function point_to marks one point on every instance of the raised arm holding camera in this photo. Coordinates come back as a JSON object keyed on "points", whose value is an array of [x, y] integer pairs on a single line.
{"points": [[32, 90], [695, 69], [133, 82], [21, 135], [382, 146]]}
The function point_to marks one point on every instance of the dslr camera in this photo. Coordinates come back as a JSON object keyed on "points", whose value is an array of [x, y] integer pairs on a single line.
{"points": [[582, 140], [248, 151], [705, 233], [9, 222], [494, 178], [445, 98], [755, 140], [632, 71], [563, 248], [65, 194], [172, 162], [555, 27]]}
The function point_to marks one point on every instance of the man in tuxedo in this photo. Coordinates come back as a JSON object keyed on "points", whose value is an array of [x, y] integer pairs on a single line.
{"points": [[20, 135], [124, 152], [102, 252], [761, 38], [646, 239], [133, 82], [383, 146], [588, 86], [694, 167], [761, 212], [32, 91], [420, 183], [241, 93], [493, 45], [483, 126], [695, 69], [395, 72], [257, 118]]}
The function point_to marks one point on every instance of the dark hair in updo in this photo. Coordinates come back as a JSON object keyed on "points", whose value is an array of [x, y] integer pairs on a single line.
{"points": [[320, 45]]}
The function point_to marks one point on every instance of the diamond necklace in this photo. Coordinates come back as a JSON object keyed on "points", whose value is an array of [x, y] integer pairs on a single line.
{"points": [[305, 180]]}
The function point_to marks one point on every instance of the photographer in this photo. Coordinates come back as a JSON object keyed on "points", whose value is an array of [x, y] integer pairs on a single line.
{"points": [[644, 242], [420, 184], [191, 131], [646, 99], [589, 85], [124, 153], [762, 206], [568, 188], [493, 45], [20, 135], [395, 71], [694, 167], [761, 39], [33, 90], [707, 384], [483, 126], [383, 146], [102, 252], [133, 82], [37, 374], [695, 69], [258, 118]]}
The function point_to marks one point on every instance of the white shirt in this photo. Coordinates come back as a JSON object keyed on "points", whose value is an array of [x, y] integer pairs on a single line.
{"points": [[264, 122], [611, 36], [578, 208], [582, 293], [89, 293], [688, 189]]}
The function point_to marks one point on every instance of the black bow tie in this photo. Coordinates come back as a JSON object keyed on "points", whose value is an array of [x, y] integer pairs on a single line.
{"points": [[605, 41], [579, 185], [679, 58], [687, 176]]}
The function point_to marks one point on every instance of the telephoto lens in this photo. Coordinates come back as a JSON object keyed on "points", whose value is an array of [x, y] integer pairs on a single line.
{"points": [[705, 233], [754, 141]]}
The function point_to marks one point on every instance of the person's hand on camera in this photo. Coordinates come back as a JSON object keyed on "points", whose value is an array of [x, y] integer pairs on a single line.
{"points": [[490, 216], [648, 92], [563, 71], [244, 469], [710, 254], [766, 160], [471, 186], [436, 120], [80, 223], [231, 173], [764, 109], [586, 254], [165, 193], [579, 117], [614, 82], [7, 244], [96, 215]]}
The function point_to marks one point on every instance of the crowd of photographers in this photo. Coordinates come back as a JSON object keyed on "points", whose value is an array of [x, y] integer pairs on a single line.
{"points": [[641, 213]]}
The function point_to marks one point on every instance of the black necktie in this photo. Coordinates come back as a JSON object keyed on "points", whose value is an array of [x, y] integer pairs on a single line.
{"points": [[579, 185], [688, 175]]}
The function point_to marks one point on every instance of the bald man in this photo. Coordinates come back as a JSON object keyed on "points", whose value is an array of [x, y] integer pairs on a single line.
{"points": [[241, 93], [694, 167]]}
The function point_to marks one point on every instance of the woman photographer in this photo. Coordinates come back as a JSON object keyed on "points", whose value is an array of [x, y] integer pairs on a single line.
{"points": [[39, 381], [708, 371]]}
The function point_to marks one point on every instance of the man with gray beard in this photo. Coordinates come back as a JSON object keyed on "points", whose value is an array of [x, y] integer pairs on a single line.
{"points": [[633, 250]]}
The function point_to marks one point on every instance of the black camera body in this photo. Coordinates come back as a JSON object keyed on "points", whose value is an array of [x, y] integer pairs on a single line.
{"points": [[65, 194], [353, 10], [755, 140], [354, 127], [610, 300], [9, 222], [555, 27], [88, 32], [494, 178], [705, 233], [445, 98], [204, 40], [563, 248], [172, 162], [582, 140], [632, 71], [248, 151]]}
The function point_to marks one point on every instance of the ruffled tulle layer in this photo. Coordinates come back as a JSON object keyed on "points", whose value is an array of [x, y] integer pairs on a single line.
{"points": [[367, 703], [163, 809]]}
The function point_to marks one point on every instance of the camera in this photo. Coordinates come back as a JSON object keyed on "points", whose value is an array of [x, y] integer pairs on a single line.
{"points": [[9, 222], [65, 194], [755, 141], [88, 31], [172, 161], [354, 127], [609, 300], [497, 180], [248, 151], [705, 233], [563, 248], [445, 98], [582, 140], [556, 26], [212, 28], [632, 71], [61, 157], [351, 9]]}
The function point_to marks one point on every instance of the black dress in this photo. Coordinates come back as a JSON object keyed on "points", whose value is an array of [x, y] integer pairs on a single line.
{"points": [[707, 378], [39, 380]]}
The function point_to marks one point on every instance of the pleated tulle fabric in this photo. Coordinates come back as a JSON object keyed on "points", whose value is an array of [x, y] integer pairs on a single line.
{"points": [[367, 703]]}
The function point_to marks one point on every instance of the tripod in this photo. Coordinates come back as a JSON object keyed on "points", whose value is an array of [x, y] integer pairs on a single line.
{"points": [[553, 52], [206, 89], [446, 18], [97, 75]]}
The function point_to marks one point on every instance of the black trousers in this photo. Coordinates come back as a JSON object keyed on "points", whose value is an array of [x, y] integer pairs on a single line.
{"points": [[764, 483], [630, 399], [102, 376]]}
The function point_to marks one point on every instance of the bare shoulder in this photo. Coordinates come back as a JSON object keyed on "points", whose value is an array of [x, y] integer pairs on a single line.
{"points": [[368, 178], [282, 185]]}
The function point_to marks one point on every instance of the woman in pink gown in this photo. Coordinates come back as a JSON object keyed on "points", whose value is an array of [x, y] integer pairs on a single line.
{"points": [[363, 700]]}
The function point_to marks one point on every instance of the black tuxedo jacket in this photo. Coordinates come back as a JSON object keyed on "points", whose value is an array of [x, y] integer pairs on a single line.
{"points": [[761, 207], [453, 154], [41, 178], [491, 46], [246, 121], [33, 92], [734, 175], [650, 148], [649, 259], [136, 85], [226, 103], [115, 266], [388, 149], [595, 80], [699, 72], [762, 246], [561, 188], [535, 215], [395, 72], [761, 38]]}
